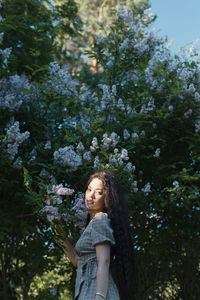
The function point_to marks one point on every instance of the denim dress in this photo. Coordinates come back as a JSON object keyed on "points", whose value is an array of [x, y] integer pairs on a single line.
{"points": [[97, 231]]}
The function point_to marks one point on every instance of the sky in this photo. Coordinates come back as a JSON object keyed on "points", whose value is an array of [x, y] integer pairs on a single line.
{"points": [[179, 20]]}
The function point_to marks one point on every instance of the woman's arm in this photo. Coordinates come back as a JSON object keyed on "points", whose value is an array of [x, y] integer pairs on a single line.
{"points": [[103, 260], [67, 247], [69, 252]]}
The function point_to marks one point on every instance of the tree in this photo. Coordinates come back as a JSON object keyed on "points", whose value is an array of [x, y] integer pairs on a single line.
{"points": [[95, 16], [30, 28], [141, 120]]}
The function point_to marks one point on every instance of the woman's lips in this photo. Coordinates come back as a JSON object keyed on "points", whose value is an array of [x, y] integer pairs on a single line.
{"points": [[89, 202]]}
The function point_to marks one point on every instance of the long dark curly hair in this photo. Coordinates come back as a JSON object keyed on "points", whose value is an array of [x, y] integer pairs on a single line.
{"points": [[123, 266]]}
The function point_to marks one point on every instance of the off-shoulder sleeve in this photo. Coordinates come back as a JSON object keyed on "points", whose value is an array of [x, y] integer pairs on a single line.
{"points": [[101, 230]]}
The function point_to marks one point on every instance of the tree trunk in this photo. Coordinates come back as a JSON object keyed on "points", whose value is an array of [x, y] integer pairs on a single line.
{"points": [[4, 283]]}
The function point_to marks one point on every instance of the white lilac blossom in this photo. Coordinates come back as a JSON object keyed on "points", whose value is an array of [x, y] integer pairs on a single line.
{"points": [[197, 126], [54, 200], [190, 89], [14, 139], [109, 64], [188, 113], [67, 157], [147, 188], [143, 109], [114, 90], [87, 156], [33, 155], [94, 146], [134, 186], [55, 192], [197, 96], [129, 167], [84, 94], [114, 160], [5, 54], [110, 141], [60, 190], [141, 47], [60, 80], [100, 40], [148, 16], [124, 154], [124, 14], [84, 123], [51, 212], [142, 133], [175, 184], [126, 134], [124, 45], [80, 211], [47, 146], [150, 105], [108, 98], [133, 76], [120, 104], [157, 153], [14, 91], [96, 161], [185, 75], [131, 111], [135, 136], [80, 147]]}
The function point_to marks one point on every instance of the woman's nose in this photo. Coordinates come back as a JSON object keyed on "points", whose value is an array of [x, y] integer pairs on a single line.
{"points": [[92, 194]]}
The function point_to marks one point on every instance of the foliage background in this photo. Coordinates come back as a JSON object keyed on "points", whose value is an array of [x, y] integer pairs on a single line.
{"points": [[122, 102]]}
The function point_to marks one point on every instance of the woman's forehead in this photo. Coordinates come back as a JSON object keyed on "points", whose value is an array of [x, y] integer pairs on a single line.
{"points": [[96, 183]]}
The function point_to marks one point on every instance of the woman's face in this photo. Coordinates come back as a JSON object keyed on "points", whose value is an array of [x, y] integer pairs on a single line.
{"points": [[94, 198]]}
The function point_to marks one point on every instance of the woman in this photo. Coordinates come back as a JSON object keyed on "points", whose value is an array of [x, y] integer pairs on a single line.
{"points": [[105, 247]]}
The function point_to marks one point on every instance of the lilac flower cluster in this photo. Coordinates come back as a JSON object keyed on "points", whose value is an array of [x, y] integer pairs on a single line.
{"points": [[157, 153], [108, 97], [110, 141], [147, 189], [13, 139], [54, 200], [80, 211], [68, 157], [175, 184], [60, 80], [14, 91], [77, 213], [125, 15], [4, 54]]}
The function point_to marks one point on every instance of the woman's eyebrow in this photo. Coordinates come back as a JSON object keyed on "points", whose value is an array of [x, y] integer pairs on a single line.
{"points": [[95, 189]]}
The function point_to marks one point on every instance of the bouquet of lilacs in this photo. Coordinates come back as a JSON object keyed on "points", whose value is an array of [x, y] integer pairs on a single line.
{"points": [[63, 212]]}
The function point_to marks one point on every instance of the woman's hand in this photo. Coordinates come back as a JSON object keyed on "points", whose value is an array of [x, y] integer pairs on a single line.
{"points": [[66, 245], [69, 252]]}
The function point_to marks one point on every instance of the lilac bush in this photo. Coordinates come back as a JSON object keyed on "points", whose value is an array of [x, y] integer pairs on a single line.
{"points": [[141, 119]]}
